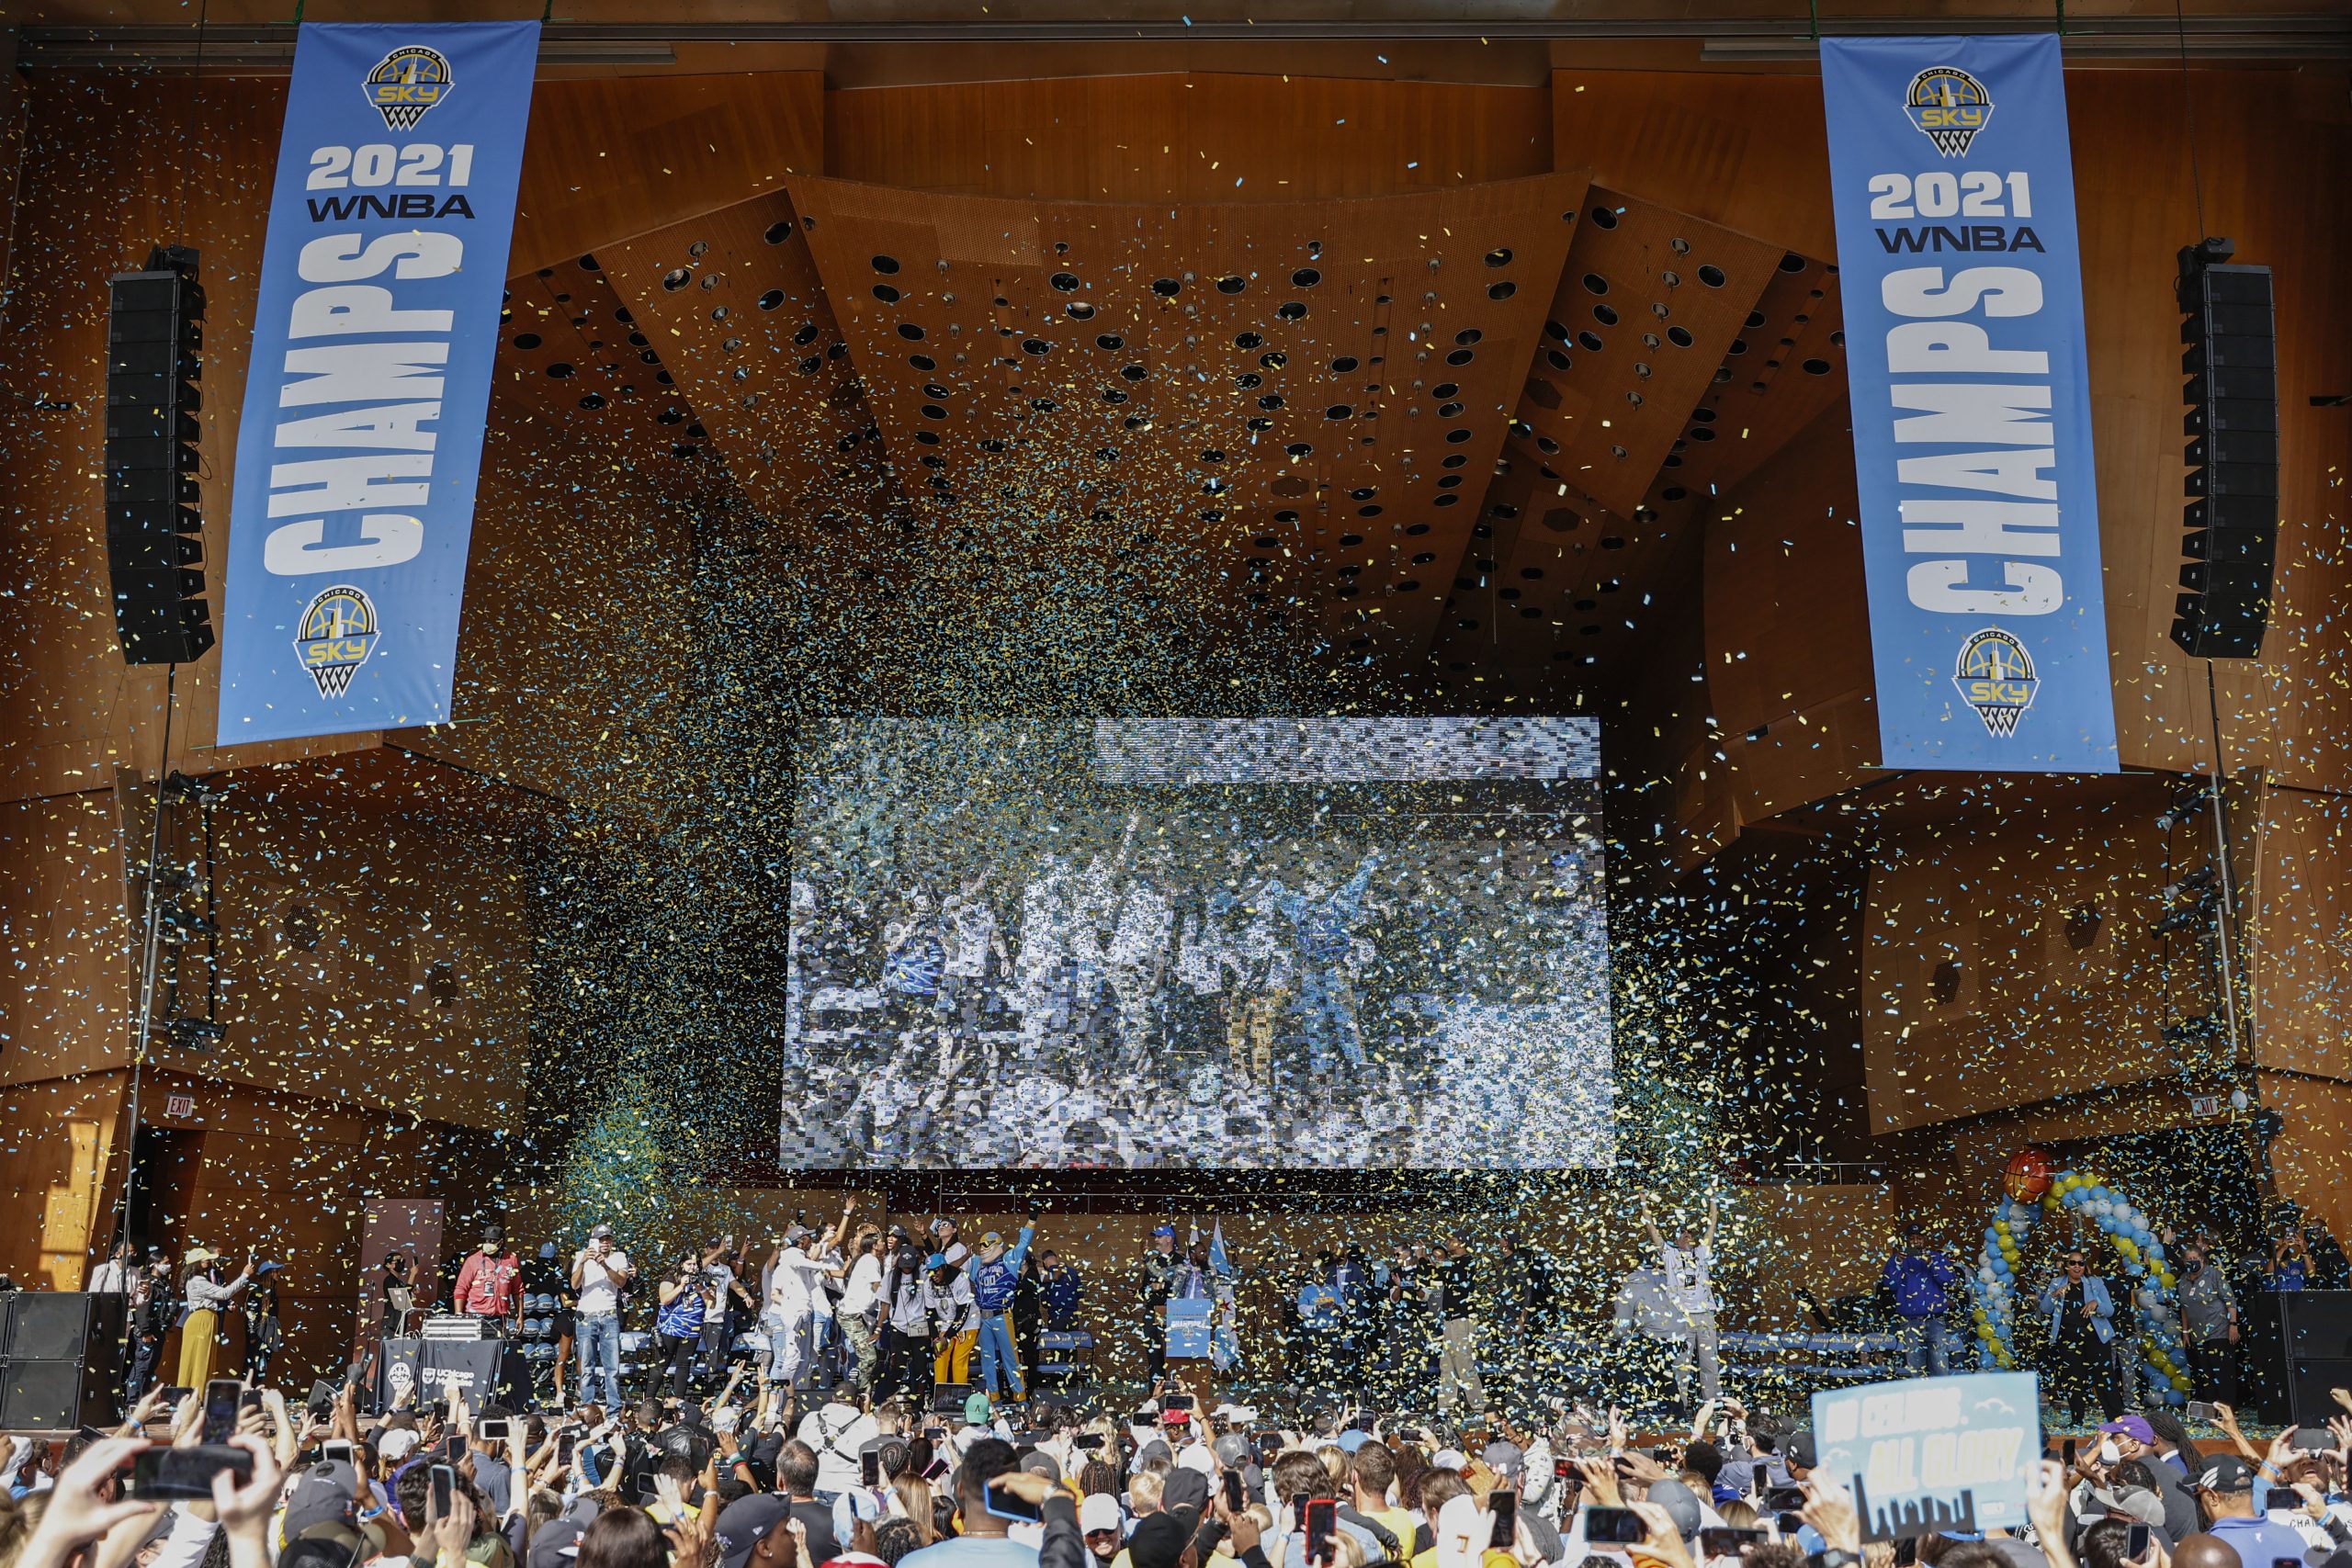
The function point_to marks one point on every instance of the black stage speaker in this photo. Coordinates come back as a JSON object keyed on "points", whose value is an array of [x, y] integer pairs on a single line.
{"points": [[61, 1360], [2230, 356], [2298, 1345], [154, 556]]}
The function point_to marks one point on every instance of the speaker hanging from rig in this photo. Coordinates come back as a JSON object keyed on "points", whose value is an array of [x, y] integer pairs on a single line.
{"points": [[154, 549], [2231, 356]]}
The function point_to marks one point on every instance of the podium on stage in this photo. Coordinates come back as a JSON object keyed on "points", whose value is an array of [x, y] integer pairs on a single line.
{"points": [[1189, 1330]]}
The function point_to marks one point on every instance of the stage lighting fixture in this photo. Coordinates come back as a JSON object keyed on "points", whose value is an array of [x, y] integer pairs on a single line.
{"points": [[2188, 918], [2196, 881]]}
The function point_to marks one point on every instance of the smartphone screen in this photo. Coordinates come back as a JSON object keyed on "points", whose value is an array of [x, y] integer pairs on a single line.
{"points": [[1176, 1402], [445, 1490], [1322, 1517], [2311, 1440], [1088, 1443], [2135, 1542], [1906, 1551], [2200, 1410], [1615, 1526], [335, 1448], [1235, 1501], [869, 1468], [1504, 1507], [563, 1447], [457, 1447], [2066, 1454], [494, 1431], [649, 1490], [186, 1473], [221, 1399], [1785, 1499], [1005, 1505], [1724, 1541]]}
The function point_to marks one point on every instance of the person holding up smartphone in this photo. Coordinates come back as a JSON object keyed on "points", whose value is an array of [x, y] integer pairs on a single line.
{"points": [[208, 1297], [1689, 1261]]}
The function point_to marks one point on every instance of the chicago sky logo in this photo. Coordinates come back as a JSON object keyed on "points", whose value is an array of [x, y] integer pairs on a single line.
{"points": [[406, 83], [1994, 674], [1947, 107], [337, 633]]}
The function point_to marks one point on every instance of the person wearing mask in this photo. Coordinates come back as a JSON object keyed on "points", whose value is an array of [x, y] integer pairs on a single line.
{"points": [[996, 1275], [1919, 1278], [2291, 1263], [2082, 1327], [2209, 1325], [797, 1297], [489, 1282], [1689, 1261], [206, 1298], [600, 1272]]}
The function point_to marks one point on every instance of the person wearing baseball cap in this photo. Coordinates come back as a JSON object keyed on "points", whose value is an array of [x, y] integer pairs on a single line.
{"points": [[1098, 1522], [751, 1530], [2225, 1490]]}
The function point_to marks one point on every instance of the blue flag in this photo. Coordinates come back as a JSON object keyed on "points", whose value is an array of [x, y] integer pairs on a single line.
{"points": [[373, 337], [1954, 194]]}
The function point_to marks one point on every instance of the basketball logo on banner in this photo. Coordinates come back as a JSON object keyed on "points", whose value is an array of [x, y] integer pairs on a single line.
{"points": [[1995, 677], [406, 83], [338, 633], [1950, 107]]}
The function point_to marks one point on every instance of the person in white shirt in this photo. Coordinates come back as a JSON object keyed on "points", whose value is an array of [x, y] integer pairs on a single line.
{"points": [[600, 1272], [1689, 1261], [836, 1430], [796, 1288], [859, 1313], [116, 1275]]}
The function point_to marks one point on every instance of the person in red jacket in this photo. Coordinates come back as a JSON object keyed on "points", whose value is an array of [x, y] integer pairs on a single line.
{"points": [[489, 1282]]}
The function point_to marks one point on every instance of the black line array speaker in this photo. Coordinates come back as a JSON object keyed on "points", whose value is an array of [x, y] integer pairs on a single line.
{"points": [[154, 554], [61, 1360], [2231, 358]]}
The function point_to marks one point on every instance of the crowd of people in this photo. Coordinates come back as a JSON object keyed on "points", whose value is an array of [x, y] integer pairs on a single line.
{"points": [[757, 1475]]}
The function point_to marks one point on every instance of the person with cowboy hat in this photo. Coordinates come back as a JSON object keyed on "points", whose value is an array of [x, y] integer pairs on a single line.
{"points": [[207, 1299]]}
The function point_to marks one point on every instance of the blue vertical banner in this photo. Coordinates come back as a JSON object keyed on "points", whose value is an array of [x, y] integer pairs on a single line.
{"points": [[373, 339], [1953, 187]]}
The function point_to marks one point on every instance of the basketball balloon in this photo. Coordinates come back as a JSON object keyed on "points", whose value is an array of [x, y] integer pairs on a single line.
{"points": [[2028, 1176]]}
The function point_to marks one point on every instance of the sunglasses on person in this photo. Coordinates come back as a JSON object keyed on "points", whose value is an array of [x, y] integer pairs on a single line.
{"points": [[2074, 1263]]}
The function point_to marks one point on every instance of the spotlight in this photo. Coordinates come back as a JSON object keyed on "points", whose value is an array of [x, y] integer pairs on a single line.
{"points": [[2188, 918], [2196, 881]]}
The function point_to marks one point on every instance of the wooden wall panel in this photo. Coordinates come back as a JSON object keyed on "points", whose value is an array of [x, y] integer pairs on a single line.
{"points": [[335, 902], [2298, 929], [2307, 1157], [614, 156], [2032, 1018], [67, 948], [1190, 138], [56, 1140], [1788, 630]]}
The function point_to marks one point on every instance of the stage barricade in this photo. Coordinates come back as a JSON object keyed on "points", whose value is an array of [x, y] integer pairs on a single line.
{"points": [[1807, 1360]]}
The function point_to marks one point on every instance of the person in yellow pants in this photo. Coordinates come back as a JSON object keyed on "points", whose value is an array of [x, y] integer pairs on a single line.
{"points": [[207, 1299], [955, 1319]]}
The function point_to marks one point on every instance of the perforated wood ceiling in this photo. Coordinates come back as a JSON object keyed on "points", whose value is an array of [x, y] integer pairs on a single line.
{"points": [[1469, 425]]}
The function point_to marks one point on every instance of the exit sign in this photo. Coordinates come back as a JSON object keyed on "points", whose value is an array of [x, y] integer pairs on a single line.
{"points": [[2204, 1105], [179, 1105]]}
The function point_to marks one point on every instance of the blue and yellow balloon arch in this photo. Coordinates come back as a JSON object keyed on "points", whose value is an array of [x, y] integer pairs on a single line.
{"points": [[2034, 1187]]}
